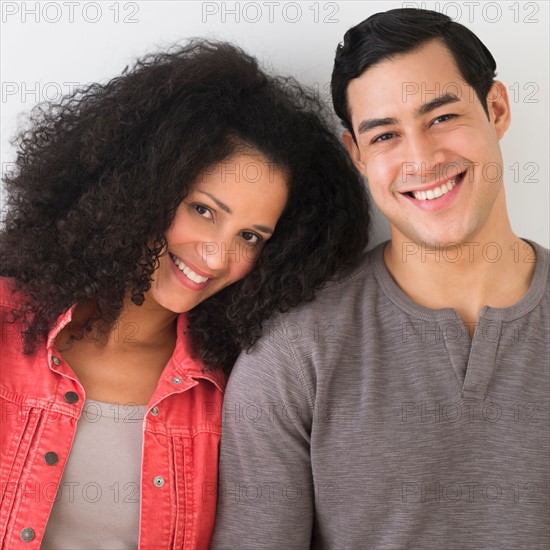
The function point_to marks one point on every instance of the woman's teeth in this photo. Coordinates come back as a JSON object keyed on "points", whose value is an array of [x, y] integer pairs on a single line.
{"points": [[431, 194], [190, 274]]}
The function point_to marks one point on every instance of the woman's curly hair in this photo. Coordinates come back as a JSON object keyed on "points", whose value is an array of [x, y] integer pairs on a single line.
{"points": [[100, 175]]}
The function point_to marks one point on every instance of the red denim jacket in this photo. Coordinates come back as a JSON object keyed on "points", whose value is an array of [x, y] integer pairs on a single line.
{"points": [[41, 400]]}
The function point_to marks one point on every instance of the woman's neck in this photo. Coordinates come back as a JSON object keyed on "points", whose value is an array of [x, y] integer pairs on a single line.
{"points": [[137, 327], [124, 364]]}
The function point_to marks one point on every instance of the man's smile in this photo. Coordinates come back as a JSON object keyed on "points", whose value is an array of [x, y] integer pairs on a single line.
{"points": [[436, 195]]}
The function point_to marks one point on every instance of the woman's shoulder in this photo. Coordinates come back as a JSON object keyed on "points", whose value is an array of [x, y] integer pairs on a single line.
{"points": [[12, 317], [10, 298]]}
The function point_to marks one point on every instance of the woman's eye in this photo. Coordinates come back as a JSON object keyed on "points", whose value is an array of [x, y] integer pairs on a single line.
{"points": [[202, 210], [251, 238], [443, 118]]}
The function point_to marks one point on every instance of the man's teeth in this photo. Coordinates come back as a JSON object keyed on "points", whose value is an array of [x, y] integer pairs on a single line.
{"points": [[188, 272], [431, 194]]}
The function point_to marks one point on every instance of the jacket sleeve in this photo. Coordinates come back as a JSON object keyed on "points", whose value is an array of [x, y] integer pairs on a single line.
{"points": [[266, 495]]}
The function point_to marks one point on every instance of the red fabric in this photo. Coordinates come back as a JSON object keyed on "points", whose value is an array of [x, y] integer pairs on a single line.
{"points": [[180, 444]]}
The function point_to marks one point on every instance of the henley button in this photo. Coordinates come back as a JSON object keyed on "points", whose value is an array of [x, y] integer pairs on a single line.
{"points": [[177, 380], [27, 534], [158, 481], [71, 397], [154, 411], [51, 458], [56, 361]]}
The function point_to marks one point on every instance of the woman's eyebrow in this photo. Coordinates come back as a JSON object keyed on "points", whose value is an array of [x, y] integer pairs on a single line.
{"points": [[263, 229], [221, 204]]}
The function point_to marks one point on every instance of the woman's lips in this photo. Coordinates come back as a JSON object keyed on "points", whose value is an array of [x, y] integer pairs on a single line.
{"points": [[186, 276]]}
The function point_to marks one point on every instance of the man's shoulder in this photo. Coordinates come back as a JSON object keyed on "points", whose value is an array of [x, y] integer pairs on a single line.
{"points": [[338, 295], [540, 256], [331, 319], [539, 248], [542, 252]]}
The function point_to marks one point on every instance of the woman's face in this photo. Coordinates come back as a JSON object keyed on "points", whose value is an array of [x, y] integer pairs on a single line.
{"points": [[219, 230]]}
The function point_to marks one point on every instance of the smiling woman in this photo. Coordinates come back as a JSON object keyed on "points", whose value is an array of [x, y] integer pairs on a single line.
{"points": [[154, 224], [219, 230]]}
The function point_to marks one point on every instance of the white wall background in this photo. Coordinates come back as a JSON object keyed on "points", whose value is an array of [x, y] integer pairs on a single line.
{"points": [[50, 46]]}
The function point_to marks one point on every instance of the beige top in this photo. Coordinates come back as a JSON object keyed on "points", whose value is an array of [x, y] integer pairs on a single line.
{"points": [[98, 502]]}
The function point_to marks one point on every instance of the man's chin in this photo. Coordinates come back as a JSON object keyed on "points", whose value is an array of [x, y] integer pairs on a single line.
{"points": [[436, 240]]}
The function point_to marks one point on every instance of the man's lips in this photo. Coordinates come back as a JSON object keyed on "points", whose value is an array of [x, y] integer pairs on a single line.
{"points": [[441, 187], [434, 197], [457, 178]]}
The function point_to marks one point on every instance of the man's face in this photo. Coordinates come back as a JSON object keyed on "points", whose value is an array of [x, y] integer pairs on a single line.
{"points": [[429, 152]]}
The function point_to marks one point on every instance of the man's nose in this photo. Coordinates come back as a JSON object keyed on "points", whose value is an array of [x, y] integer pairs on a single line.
{"points": [[423, 157]]}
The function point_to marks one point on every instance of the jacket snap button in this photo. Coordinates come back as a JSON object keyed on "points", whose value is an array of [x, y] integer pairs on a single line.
{"points": [[155, 411], [27, 534], [51, 458], [56, 361], [158, 481], [71, 397], [177, 380]]}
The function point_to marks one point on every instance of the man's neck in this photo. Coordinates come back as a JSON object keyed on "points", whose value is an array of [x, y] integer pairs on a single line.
{"points": [[494, 271]]}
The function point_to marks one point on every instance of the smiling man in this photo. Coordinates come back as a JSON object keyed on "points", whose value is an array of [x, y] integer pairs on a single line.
{"points": [[408, 406]]}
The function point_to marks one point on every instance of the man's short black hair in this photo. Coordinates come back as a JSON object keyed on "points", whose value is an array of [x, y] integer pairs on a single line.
{"points": [[398, 31]]}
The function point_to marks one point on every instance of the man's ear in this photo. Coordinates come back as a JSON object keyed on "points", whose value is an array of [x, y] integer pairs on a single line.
{"points": [[353, 151], [498, 106]]}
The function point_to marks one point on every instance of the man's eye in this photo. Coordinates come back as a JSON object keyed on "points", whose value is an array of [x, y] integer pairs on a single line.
{"points": [[443, 118], [383, 137], [251, 238]]}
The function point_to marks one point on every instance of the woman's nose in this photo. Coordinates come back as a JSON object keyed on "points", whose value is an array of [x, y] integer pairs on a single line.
{"points": [[216, 255]]}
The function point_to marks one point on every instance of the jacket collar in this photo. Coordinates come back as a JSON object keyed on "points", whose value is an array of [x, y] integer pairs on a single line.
{"points": [[183, 357], [181, 362]]}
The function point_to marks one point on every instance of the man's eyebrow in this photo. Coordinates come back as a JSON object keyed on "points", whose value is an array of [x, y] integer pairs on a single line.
{"points": [[424, 109], [444, 99], [371, 123]]}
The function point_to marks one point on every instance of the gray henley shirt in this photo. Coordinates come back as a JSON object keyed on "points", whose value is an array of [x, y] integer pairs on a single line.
{"points": [[364, 420]]}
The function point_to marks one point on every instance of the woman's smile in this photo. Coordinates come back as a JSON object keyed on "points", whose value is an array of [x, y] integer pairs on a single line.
{"points": [[188, 277]]}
